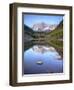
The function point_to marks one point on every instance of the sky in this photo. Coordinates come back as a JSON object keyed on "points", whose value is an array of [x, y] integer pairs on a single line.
{"points": [[31, 19]]}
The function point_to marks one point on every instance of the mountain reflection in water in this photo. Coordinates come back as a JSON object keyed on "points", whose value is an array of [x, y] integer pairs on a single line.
{"points": [[42, 49], [39, 59]]}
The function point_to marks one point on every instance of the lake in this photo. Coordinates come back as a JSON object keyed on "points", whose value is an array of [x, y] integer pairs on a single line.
{"points": [[41, 59]]}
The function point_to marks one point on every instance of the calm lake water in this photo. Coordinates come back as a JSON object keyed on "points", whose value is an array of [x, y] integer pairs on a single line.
{"points": [[39, 59]]}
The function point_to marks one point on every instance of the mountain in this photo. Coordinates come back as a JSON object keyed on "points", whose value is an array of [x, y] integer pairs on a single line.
{"points": [[27, 29], [60, 26], [28, 33], [58, 31], [43, 27]]}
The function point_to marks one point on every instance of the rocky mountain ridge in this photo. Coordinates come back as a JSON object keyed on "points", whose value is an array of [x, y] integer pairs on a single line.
{"points": [[43, 27]]}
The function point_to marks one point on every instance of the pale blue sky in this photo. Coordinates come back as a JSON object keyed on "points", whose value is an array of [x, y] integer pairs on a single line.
{"points": [[31, 19]]}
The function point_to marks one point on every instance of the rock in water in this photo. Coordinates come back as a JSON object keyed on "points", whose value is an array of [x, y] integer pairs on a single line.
{"points": [[39, 62]]}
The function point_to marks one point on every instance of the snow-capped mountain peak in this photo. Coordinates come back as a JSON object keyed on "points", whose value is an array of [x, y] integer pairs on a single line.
{"points": [[43, 27]]}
